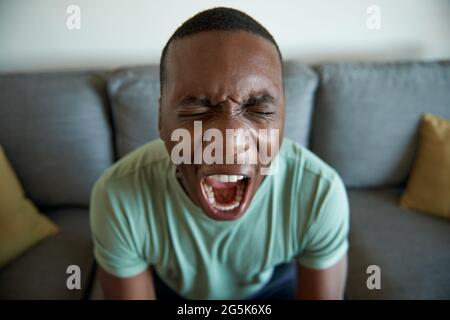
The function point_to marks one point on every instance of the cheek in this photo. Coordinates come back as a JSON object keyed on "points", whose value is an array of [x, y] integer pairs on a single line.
{"points": [[165, 135], [189, 174], [273, 145], [269, 141], [165, 128], [182, 139]]}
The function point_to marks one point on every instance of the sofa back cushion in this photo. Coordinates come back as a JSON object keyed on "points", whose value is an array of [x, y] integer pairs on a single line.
{"points": [[55, 130], [367, 117], [134, 94], [300, 84]]}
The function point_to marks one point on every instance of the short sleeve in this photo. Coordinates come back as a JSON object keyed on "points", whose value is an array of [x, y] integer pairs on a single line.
{"points": [[115, 247], [327, 236]]}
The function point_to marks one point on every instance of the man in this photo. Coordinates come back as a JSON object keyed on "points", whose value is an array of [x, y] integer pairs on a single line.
{"points": [[165, 228]]}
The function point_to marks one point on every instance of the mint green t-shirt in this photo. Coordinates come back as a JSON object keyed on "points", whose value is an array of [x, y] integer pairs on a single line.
{"points": [[141, 217]]}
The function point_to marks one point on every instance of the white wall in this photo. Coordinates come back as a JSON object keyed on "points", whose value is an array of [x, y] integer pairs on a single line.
{"points": [[34, 36]]}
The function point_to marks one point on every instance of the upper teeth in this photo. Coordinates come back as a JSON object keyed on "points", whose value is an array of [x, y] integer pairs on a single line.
{"points": [[226, 178]]}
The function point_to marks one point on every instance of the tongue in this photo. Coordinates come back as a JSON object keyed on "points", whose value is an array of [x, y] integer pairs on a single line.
{"points": [[224, 192], [225, 196]]}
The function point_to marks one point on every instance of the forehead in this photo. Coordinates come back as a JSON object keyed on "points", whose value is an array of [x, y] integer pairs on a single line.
{"points": [[222, 60]]}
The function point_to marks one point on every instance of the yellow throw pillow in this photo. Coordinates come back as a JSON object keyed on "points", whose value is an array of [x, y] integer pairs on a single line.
{"points": [[21, 224], [428, 187]]}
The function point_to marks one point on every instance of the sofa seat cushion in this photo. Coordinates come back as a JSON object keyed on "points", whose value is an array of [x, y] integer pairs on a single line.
{"points": [[411, 248], [40, 273]]}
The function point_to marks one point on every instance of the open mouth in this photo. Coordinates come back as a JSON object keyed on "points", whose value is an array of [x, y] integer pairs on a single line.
{"points": [[225, 194]]}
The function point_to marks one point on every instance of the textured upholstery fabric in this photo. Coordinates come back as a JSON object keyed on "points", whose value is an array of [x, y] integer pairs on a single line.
{"points": [[40, 273], [54, 128], [411, 248], [300, 84], [134, 94], [367, 117]]}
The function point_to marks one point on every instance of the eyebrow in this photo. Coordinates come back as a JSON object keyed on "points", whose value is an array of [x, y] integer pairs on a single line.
{"points": [[191, 101], [205, 102], [259, 99]]}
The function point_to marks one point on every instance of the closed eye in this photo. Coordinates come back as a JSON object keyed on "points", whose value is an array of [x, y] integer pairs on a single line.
{"points": [[193, 106], [261, 105], [262, 112], [193, 111]]}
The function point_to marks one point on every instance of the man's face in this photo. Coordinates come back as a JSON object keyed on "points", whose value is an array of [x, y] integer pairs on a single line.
{"points": [[226, 80]]}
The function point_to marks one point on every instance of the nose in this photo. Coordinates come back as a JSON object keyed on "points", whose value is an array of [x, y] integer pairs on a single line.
{"points": [[241, 146], [239, 139], [230, 107]]}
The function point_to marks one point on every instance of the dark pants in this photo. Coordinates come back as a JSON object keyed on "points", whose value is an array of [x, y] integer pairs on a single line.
{"points": [[281, 286]]}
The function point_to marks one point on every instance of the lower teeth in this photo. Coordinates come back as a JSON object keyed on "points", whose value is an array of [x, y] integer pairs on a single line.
{"points": [[223, 207]]}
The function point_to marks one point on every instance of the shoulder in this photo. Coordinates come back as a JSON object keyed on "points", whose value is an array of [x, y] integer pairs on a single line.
{"points": [[149, 154], [139, 161], [123, 180], [319, 207], [314, 183], [118, 192], [307, 165]]}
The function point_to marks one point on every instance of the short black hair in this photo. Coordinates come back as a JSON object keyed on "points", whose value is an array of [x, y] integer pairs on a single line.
{"points": [[215, 19]]}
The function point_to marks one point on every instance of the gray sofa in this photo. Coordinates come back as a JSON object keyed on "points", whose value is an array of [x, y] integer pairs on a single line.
{"points": [[62, 130]]}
